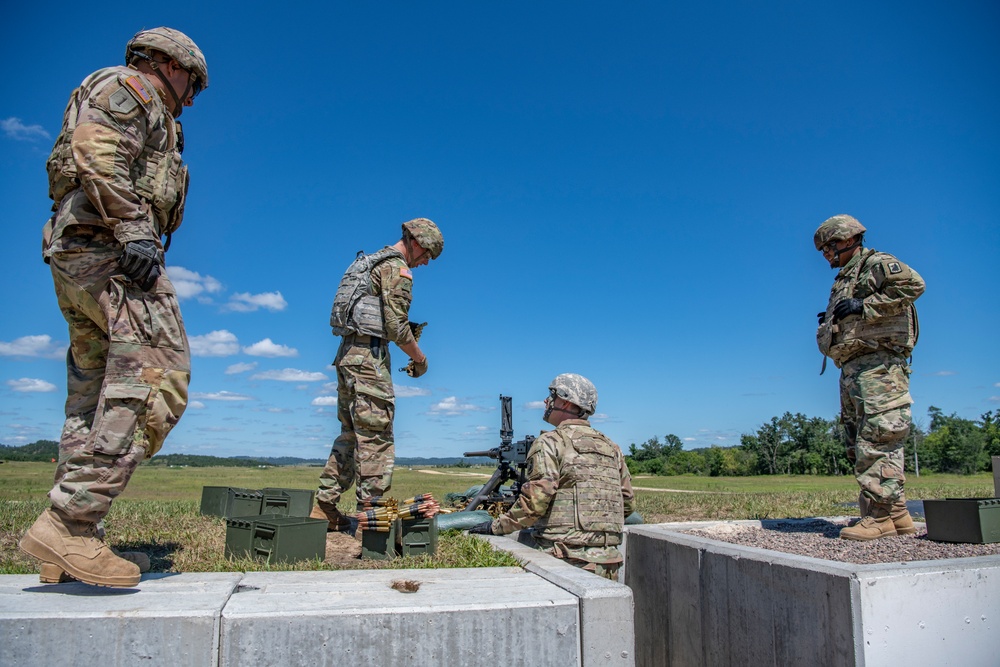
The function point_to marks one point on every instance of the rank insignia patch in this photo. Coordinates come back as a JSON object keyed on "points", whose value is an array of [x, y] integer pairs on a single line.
{"points": [[140, 90], [894, 267]]}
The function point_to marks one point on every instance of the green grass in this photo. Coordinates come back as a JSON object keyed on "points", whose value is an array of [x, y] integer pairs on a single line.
{"points": [[159, 512]]}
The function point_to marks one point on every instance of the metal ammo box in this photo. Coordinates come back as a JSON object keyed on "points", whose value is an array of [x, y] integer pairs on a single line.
{"points": [[971, 520], [287, 502], [419, 536], [380, 545], [276, 538], [229, 502], [226, 501]]}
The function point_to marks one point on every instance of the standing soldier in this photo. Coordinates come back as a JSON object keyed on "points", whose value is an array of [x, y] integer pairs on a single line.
{"points": [[579, 490], [371, 308], [869, 329], [118, 185]]}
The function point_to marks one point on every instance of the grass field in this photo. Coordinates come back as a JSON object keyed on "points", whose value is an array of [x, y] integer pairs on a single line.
{"points": [[159, 512]]}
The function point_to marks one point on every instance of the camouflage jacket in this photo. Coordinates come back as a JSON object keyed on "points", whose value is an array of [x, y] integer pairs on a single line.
{"points": [[116, 163], [392, 282], [888, 321], [577, 496]]}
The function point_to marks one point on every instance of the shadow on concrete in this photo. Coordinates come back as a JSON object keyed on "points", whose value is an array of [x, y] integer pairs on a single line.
{"points": [[816, 526], [80, 589]]}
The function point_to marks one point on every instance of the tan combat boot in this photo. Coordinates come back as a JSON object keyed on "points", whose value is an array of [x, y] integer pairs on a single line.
{"points": [[901, 518], [864, 504], [337, 521], [877, 524], [50, 573], [75, 548]]}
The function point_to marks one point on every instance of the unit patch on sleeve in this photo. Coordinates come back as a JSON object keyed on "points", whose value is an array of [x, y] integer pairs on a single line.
{"points": [[122, 102], [894, 267]]}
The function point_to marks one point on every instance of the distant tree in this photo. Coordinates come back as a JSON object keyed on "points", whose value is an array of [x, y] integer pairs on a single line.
{"points": [[796, 444], [954, 444]]}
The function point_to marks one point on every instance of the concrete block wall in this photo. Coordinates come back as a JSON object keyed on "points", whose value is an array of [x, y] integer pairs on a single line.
{"points": [[701, 602], [547, 613]]}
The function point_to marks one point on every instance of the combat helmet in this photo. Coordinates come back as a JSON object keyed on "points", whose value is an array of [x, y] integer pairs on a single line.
{"points": [[576, 389], [175, 44], [839, 228], [426, 234]]}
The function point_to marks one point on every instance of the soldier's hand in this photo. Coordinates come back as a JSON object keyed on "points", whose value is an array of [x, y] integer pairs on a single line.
{"points": [[415, 369], [821, 317], [847, 307], [484, 528], [140, 261], [417, 329]]}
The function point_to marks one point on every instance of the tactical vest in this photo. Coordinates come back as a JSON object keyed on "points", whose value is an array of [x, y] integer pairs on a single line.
{"points": [[589, 497], [159, 175], [853, 336], [356, 307]]}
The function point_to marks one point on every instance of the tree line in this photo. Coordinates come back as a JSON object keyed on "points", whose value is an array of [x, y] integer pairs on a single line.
{"points": [[794, 444]]}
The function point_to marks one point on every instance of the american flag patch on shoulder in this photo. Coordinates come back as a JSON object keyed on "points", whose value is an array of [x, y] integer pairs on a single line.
{"points": [[405, 272], [135, 84]]}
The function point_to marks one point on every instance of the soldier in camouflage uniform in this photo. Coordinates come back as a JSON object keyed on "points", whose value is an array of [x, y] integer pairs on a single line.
{"points": [[118, 185], [869, 329], [579, 490], [371, 309]]}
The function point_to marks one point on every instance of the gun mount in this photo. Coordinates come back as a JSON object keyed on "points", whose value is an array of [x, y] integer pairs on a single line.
{"points": [[511, 458]]}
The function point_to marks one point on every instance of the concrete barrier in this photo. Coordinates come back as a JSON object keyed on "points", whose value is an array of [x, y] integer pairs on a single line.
{"points": [[547, 613], [170, 619], [702, 602]]}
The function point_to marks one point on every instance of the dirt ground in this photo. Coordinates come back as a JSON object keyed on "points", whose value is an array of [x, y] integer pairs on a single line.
{"points": [[342, 549]]}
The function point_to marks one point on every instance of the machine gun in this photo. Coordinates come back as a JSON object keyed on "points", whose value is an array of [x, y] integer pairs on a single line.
{"points": [[511, 458]]}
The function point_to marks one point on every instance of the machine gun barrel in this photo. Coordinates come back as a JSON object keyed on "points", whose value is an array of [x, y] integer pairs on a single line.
{"points": [[492, 453]]}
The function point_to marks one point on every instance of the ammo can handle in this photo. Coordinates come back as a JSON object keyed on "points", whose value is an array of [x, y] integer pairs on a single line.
{"points": [[264, 533]]}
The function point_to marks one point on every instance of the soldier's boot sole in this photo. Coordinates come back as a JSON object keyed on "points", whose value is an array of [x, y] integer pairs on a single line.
{"points": [[50, 573], [49, 527]]}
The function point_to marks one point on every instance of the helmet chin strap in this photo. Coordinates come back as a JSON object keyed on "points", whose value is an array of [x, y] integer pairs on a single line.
{"points": [[835, 264]]}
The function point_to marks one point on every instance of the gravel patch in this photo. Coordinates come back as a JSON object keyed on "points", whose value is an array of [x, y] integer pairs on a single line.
{"points": [[819, 538]]}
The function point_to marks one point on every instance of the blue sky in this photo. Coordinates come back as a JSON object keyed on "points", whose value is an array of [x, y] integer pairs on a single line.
{"points": [[627, 191]]}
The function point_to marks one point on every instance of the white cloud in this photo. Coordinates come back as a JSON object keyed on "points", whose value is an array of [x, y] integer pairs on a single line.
{"points": [[407, 391], [15, 129], [236, 369], [451, 407], [289, 375], [33, 346], [190, 283], [221, 396], [220, 343], [994, 399], [599, 417], [997, 384], [330, 401], [942, 373], [534, 405], [31, 385], [268, 348], [329, 388], [196, 405], [245, 302]]}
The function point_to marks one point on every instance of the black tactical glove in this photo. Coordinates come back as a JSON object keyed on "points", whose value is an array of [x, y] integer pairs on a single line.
{"points": [[484, 528], [417, 329], [414, 369], [847, 307], [822, 317], [140, 262]]}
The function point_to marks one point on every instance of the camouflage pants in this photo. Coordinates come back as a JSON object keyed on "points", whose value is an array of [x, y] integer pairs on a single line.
{"points": [[128, 368], [875, 410], [602, 561], [364, 451]]}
